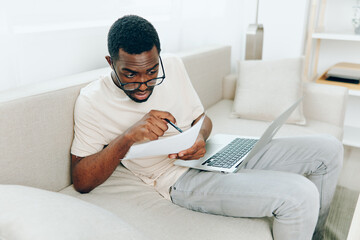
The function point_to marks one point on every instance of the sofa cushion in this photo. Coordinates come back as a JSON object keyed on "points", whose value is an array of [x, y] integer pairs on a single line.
{"points": [[222, 123], [30, 213], [141, 206], [265, 89]]}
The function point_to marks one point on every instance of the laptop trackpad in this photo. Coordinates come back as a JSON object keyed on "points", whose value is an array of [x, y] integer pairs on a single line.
{"points": [[211, 149]]}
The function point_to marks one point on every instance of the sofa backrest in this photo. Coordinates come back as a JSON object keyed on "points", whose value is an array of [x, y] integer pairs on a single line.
{"points": [[207, 68], [36, 125], [36, 122]]}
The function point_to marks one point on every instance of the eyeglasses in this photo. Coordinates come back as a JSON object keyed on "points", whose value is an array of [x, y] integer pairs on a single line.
{"points": [[132, 86]]}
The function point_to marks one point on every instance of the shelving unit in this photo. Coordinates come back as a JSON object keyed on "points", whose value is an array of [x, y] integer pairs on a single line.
{"points": [[318, 33], [351, 136], [336, 36], [351, 129]]}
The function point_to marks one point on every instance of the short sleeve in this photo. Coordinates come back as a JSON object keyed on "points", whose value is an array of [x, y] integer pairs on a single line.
{"points": [[88, 137]]}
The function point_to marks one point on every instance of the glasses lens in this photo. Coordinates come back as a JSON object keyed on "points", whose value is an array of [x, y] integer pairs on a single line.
{"points": [[131, 86], [150, 83], [154, 82]]}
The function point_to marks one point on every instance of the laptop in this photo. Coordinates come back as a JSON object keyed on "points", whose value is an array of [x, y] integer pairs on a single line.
{"points": [[229, 153]]}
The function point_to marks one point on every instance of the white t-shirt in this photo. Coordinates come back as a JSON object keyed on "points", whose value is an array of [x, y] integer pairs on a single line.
{"points": [[103, 112]]}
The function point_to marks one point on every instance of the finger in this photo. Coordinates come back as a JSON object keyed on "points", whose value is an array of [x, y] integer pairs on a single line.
{"points": [[197, 151], [191, 157], [156, 129], [199, 144], [163, 115], [156, 125], [190, 151], [199, 154], [151, 132], [173, 156], [152, 136]]}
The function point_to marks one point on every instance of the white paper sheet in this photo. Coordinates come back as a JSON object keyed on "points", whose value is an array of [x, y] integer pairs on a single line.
{"points": [[173, 144]]}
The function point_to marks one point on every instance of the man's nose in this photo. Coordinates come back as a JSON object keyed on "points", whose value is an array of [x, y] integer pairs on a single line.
{"points": [[143, 87]]}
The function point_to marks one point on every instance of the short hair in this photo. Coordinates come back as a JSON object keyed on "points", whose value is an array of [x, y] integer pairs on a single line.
{"points": [[133, 34]]}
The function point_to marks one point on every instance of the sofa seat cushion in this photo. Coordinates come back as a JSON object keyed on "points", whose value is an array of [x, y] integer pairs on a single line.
{"points": [[31, 213], [220, 114], [141, 206]]}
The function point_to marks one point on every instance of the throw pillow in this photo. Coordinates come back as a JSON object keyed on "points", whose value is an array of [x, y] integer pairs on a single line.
{"points": [[265, 89], [30, 213]]}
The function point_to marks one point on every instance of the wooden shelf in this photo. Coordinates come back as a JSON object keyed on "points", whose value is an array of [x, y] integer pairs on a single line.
{"points": [[355, 88], [336, 36], [350, 86], [351, 136]]}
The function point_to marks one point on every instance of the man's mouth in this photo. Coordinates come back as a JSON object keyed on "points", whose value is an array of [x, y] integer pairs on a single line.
{"points": [[141, 95]]}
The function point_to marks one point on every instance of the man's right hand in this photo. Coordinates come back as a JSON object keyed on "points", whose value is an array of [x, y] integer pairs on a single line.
{"points": [[150, 127], [91, 171]]}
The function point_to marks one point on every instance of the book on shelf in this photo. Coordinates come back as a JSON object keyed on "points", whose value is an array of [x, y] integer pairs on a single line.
{"points": [[343, 74]]}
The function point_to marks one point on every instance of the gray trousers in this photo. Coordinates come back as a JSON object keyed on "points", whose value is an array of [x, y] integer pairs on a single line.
{"points": [[291, 179]]}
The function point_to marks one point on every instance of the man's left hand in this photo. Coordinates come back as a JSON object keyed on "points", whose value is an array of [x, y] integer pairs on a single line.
{"points": [[195, 152]]}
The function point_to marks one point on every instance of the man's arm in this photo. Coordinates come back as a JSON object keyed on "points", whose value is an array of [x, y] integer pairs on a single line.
{"points": [[91, 171], [198, 149]]}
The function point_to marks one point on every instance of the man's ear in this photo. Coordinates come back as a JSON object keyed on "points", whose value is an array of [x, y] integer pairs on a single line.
{"points": [[108, 59]]}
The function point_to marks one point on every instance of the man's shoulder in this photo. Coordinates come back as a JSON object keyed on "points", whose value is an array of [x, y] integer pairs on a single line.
{"points": [[95, 88], [92, 94]]}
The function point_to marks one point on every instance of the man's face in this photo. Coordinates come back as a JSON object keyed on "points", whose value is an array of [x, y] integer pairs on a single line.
{"points": [[137, 68]]}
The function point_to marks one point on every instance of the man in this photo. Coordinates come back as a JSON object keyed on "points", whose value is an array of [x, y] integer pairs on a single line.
{"points": [[133, 103]]}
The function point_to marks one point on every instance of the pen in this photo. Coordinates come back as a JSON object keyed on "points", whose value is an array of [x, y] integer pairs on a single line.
{"points": [[173, 125]]}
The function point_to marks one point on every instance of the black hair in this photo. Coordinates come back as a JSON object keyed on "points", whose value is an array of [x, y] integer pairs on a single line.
{"points": [[133, 34]]}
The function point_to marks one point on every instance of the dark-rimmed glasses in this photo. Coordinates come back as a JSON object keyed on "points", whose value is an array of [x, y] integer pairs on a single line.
{"points": [[132, 86]]}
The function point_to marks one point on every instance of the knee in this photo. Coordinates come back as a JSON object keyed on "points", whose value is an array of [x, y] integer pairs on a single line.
{"points": [[327, 149], [308, 196], [334, 151], [299, 211], [301, 203]]}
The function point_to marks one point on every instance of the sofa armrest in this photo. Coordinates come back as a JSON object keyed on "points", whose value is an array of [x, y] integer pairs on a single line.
{"points": [[325, 103], [229, 86]]}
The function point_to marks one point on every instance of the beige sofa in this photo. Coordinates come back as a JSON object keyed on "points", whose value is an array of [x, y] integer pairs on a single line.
{"points": [[36, 125]]}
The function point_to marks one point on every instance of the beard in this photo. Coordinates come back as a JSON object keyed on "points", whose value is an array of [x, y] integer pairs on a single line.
{"points": [[131, 94]]}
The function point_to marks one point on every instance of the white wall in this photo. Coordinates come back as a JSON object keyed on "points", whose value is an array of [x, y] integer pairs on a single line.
{"points": [[41, 40], [285, 24]]}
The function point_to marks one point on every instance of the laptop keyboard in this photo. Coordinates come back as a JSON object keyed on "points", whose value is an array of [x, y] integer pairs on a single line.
{"points": [[231, 153]]}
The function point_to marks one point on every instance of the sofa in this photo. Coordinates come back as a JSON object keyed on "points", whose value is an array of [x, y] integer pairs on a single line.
{"points": [[36, 125]]}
